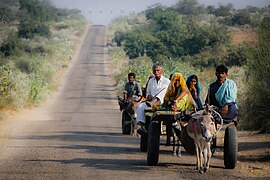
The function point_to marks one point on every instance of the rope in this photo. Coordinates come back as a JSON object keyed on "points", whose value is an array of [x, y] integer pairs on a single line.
{"points": [[221, 123]]}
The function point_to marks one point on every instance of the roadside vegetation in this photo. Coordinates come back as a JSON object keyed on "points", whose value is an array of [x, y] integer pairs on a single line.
{"points": [[37, 41], [191, 38]]}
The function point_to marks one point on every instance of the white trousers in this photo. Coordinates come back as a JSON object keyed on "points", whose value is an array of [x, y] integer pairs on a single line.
{"points": [[140, 112]]}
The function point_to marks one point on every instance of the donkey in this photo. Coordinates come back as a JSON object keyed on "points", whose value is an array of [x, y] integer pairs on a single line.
{"points": [[202, 129]]}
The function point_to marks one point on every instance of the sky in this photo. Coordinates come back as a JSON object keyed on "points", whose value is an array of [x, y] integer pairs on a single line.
{"points": [[101, 12]]}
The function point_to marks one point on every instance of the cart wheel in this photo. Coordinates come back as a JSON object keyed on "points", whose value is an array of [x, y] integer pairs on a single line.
{"points": [[230, 147], [143, 145], [126, 123], [187, 141], [153, 144]]}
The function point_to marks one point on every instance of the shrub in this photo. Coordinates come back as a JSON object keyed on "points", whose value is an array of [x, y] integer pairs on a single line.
{"points": [[6, 13], [30, 59], [241, 18], [10, 46], [237, 56], [30, 29], [257, 114], [14, 88]]}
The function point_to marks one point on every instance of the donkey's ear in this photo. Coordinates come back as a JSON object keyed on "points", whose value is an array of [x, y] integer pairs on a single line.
{"points": [[205, 111], [208, 108]]}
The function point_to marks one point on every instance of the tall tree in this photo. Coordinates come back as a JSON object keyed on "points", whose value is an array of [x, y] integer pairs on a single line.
{"points": [[187, 7]]}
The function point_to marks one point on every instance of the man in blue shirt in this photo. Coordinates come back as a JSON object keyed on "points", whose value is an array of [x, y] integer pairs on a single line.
{"points": [[222, 94]]}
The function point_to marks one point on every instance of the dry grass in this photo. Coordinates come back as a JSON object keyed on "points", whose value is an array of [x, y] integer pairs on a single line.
{"points": [[243, 35]]}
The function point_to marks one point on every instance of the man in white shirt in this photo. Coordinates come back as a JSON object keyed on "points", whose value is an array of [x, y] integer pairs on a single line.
{"points": [[155, 92]]}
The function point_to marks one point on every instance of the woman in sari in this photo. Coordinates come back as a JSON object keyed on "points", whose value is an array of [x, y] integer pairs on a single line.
{"points": [[194, 88], [178, 97]]}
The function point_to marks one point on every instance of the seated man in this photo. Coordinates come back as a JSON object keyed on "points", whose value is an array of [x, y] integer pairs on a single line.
{"points": [[132, 93], [222, 93], [155, 93], [132, 88]]}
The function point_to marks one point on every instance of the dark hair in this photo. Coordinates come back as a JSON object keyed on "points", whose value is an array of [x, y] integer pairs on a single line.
{"points": [[171, 75], [221, 68], [193, 76], [132, 74]]}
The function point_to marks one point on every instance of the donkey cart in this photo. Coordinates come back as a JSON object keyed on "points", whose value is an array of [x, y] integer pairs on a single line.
{"points": [[176, 135], [128, 108]]}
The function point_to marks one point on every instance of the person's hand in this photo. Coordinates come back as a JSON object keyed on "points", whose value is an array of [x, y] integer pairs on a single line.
{"points": [[192, 87], [136, 98], [174, 107], [224, 111], [155, 100]]}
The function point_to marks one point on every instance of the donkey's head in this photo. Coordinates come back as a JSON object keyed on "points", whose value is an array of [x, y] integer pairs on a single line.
{"points": [[207, 125]]}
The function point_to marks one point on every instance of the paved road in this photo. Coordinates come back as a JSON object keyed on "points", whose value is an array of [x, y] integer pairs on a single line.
{"points": [[77, 135]]}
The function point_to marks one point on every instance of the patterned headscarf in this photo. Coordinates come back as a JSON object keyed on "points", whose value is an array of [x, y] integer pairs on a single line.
{"points": [[171, 89]]}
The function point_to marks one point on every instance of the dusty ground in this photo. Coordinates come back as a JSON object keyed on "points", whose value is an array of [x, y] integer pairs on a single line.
{"points": [[253, 153]]}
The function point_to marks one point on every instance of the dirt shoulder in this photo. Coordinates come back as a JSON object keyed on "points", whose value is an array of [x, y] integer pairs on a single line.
{"points": [[253, 154]]}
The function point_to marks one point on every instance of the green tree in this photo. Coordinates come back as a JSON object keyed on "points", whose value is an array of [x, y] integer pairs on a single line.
{"points": [[28, 29], [151, 12], [187, 7], [10, 46], [164, 18], [6, 13], [237, 56], [201, 37], [155, 48], [119, 37], [135, 43], [241, 18], [34, 15], [211, 9], [170, 31], [258, 77], [38, 10], [222, 11]]}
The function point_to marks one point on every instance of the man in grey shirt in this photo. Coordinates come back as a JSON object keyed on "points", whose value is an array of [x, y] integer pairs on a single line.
{"points": [[133, 89]]}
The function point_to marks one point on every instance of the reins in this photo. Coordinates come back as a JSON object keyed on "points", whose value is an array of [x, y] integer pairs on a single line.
{"points": [[221, 123]]}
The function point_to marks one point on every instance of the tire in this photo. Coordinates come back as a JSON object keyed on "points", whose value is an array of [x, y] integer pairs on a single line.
{"points": [[230, 147], [143, 145], [144, 138], [126, 123], [213, 145], [187, 141], [153, 144]]}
